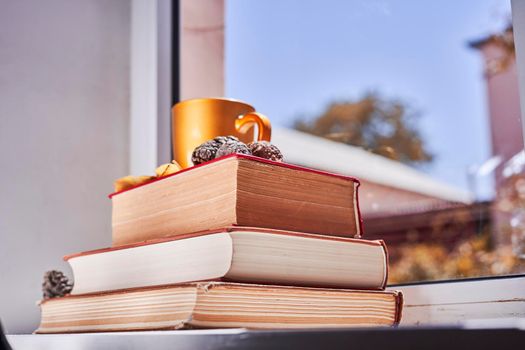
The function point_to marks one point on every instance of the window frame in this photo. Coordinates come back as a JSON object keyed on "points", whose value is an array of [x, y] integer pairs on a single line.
{"points": [[425, 302]]}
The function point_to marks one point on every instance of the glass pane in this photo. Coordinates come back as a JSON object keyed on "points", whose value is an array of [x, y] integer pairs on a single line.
{"points": [[418, 99]]}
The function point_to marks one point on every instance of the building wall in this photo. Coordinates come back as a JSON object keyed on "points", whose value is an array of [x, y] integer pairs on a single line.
{"points": [[399, 217], [504, 108], [202, 48], [505, 127], [64, 105]]}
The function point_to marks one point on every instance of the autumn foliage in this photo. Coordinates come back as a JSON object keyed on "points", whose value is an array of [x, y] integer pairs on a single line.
{"points": [[387, 128], [473, 257]]}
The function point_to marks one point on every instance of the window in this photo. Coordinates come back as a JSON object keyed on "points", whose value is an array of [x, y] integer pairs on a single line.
{"points": [[418, 99]]}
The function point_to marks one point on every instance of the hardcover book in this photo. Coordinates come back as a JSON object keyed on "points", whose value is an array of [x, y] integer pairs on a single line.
{"points": [[219, 305], [238, 190], [240, 254]]}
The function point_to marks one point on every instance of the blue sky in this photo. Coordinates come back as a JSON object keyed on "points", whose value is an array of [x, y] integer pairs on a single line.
{"points": [[291, 58]]}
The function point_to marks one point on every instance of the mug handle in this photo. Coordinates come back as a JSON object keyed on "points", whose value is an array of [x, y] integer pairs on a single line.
{"points": [[264, 127]]}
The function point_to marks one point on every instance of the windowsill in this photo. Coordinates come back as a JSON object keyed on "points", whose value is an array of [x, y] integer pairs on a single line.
{"points": [[457, 301], [362, 339]]}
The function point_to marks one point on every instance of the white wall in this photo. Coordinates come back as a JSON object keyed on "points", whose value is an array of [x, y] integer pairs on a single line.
{"points": [[64, 106]]}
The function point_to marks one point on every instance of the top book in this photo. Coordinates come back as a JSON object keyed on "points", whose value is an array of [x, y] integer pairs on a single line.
{"points": [[238, 190]]}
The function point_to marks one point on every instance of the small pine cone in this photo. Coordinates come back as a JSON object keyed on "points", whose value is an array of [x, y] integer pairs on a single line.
{"points": [[55, 284], [266, 150], [223, 139], [208, 150], [204, 152], [231, 147]]}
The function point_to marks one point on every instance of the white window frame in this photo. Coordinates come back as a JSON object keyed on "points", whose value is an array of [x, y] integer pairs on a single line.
{"points": [[150, 85]]}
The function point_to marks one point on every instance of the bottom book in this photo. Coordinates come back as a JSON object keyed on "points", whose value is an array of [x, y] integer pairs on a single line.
{"points": [[219, 305]]}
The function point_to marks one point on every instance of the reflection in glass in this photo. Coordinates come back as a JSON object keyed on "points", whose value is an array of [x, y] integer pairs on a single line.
{"points": [[417, 99]]}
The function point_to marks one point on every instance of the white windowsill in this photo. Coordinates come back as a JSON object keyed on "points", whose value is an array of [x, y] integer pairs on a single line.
{"points": [[457, 302]]}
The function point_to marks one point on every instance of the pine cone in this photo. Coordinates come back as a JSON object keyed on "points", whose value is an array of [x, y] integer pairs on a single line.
{"points": [[55, 284], [231, 147], [266, 150], [208, 150], [223, 139]]}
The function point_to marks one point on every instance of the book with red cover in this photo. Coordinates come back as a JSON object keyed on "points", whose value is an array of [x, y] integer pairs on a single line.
{"points": [[238, 190], [237, 254], [219, 305]]}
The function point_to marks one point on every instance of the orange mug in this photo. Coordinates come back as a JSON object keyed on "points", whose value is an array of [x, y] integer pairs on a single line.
{"points": [[199, 120]]}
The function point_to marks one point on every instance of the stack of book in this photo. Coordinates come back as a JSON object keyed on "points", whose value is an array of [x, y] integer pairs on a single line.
{"points": [[236, 242]]}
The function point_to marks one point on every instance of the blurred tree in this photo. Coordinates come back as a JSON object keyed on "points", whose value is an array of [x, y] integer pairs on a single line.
{"points": [[384, 127]]}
